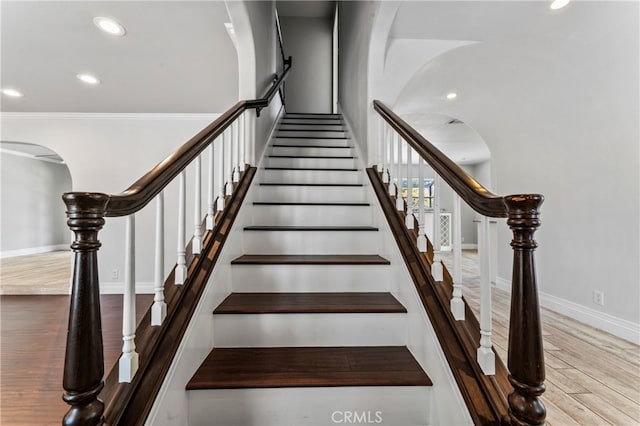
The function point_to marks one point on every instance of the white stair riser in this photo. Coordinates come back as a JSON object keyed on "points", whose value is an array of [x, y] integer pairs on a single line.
{"points": [[311, 242], [327, 163], [310, 278], [313, 116], [333, 329], [311, 133], [312, 142], [310, 120], [311, 151], [382, 405], [314, 126], [311, 194], [312, 215], [312, 176]]}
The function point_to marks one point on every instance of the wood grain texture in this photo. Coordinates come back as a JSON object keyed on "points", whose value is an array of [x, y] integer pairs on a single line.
{"points": [[309, 228], [310, 259], [308, 366], [325, 303]]}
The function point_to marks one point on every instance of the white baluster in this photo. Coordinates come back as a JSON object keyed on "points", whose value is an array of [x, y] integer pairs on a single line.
{"points": [[196, 243], [385, 153], [220, 170], [436, 267], [211, 209], [181, 267], [398, 168], [128, 363], [159, 308], [392, 171], [457, 304], [228, 161], [486, 357], [236, 151], [399, 199], [422, 238], [409, 219], [252, 134], [380, 166], [242, 143]]}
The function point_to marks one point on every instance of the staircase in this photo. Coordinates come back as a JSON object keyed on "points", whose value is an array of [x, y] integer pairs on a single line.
{"points": [[310, 333]]}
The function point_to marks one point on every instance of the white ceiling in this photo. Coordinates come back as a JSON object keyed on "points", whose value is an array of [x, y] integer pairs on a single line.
{"points": [[175, 58]]}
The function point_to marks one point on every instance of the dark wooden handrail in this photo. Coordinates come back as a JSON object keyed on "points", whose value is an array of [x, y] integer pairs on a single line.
{"points": [[86, 212], [525, 351], [144, 190], [474, 194]]}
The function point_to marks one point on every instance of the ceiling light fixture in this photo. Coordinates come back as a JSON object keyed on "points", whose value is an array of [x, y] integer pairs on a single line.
{"points": [[12, 92], [559, 4], [109, 26], [452, 95], [88, 78]]}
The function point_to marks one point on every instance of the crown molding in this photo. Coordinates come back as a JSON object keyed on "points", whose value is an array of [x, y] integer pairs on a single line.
{"points": [[107, 116]]}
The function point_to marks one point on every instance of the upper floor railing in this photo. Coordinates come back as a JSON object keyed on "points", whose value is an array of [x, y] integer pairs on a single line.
{"points": [[230, 143], [397, 143]]}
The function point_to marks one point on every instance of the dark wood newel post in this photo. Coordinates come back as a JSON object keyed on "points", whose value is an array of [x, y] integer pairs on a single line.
{"points": [[84, 359], [526, 356]]}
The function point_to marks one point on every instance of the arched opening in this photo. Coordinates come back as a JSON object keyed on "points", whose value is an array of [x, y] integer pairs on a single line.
{"points": [[33, 223]]}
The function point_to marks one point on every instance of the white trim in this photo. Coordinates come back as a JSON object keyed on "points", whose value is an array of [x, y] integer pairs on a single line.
{"points": [[619, 327], [108, 116], [33, 250], [31, 156], [469, 246], [146, 287]]}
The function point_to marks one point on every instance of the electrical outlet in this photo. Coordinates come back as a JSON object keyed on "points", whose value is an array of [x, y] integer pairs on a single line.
{"points": [[598, 297], [115, 274]]}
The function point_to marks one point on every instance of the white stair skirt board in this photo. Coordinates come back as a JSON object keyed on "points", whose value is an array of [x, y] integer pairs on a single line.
{"points": [[311, 151], [382, 405], [289, 120], [310, 142], [310, 278], [311, 242], [311, 133], [312, 215], [311, 126], [331, 329], [311, 162], [311, 176], [311, 194]]}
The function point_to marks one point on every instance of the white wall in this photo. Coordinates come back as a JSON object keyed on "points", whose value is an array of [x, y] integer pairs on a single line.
{"points": [[309, 42], [107, 153], [355, 20], [558, 107], [33, 214]]}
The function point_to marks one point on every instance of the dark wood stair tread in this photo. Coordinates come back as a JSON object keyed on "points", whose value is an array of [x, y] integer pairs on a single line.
{"points": [[233, 368], [319, 169], [310, 259], [292, 203], [308, 184], [280, 129], [309, 303], [312, 156], [309, 228]]}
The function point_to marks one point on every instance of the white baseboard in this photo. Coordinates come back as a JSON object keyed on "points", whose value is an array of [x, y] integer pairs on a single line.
{"points": [[118, 288], [33, 250], [469, 246], [619, 327]]}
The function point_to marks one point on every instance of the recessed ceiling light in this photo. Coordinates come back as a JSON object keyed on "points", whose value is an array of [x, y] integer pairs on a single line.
{"points": [[559, 4], [452, 95], [12, 92], [88, 78], [109, 26]]}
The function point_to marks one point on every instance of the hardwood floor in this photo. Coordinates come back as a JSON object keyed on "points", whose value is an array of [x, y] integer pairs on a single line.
{"points": [[33, 334], [593, 378]]}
